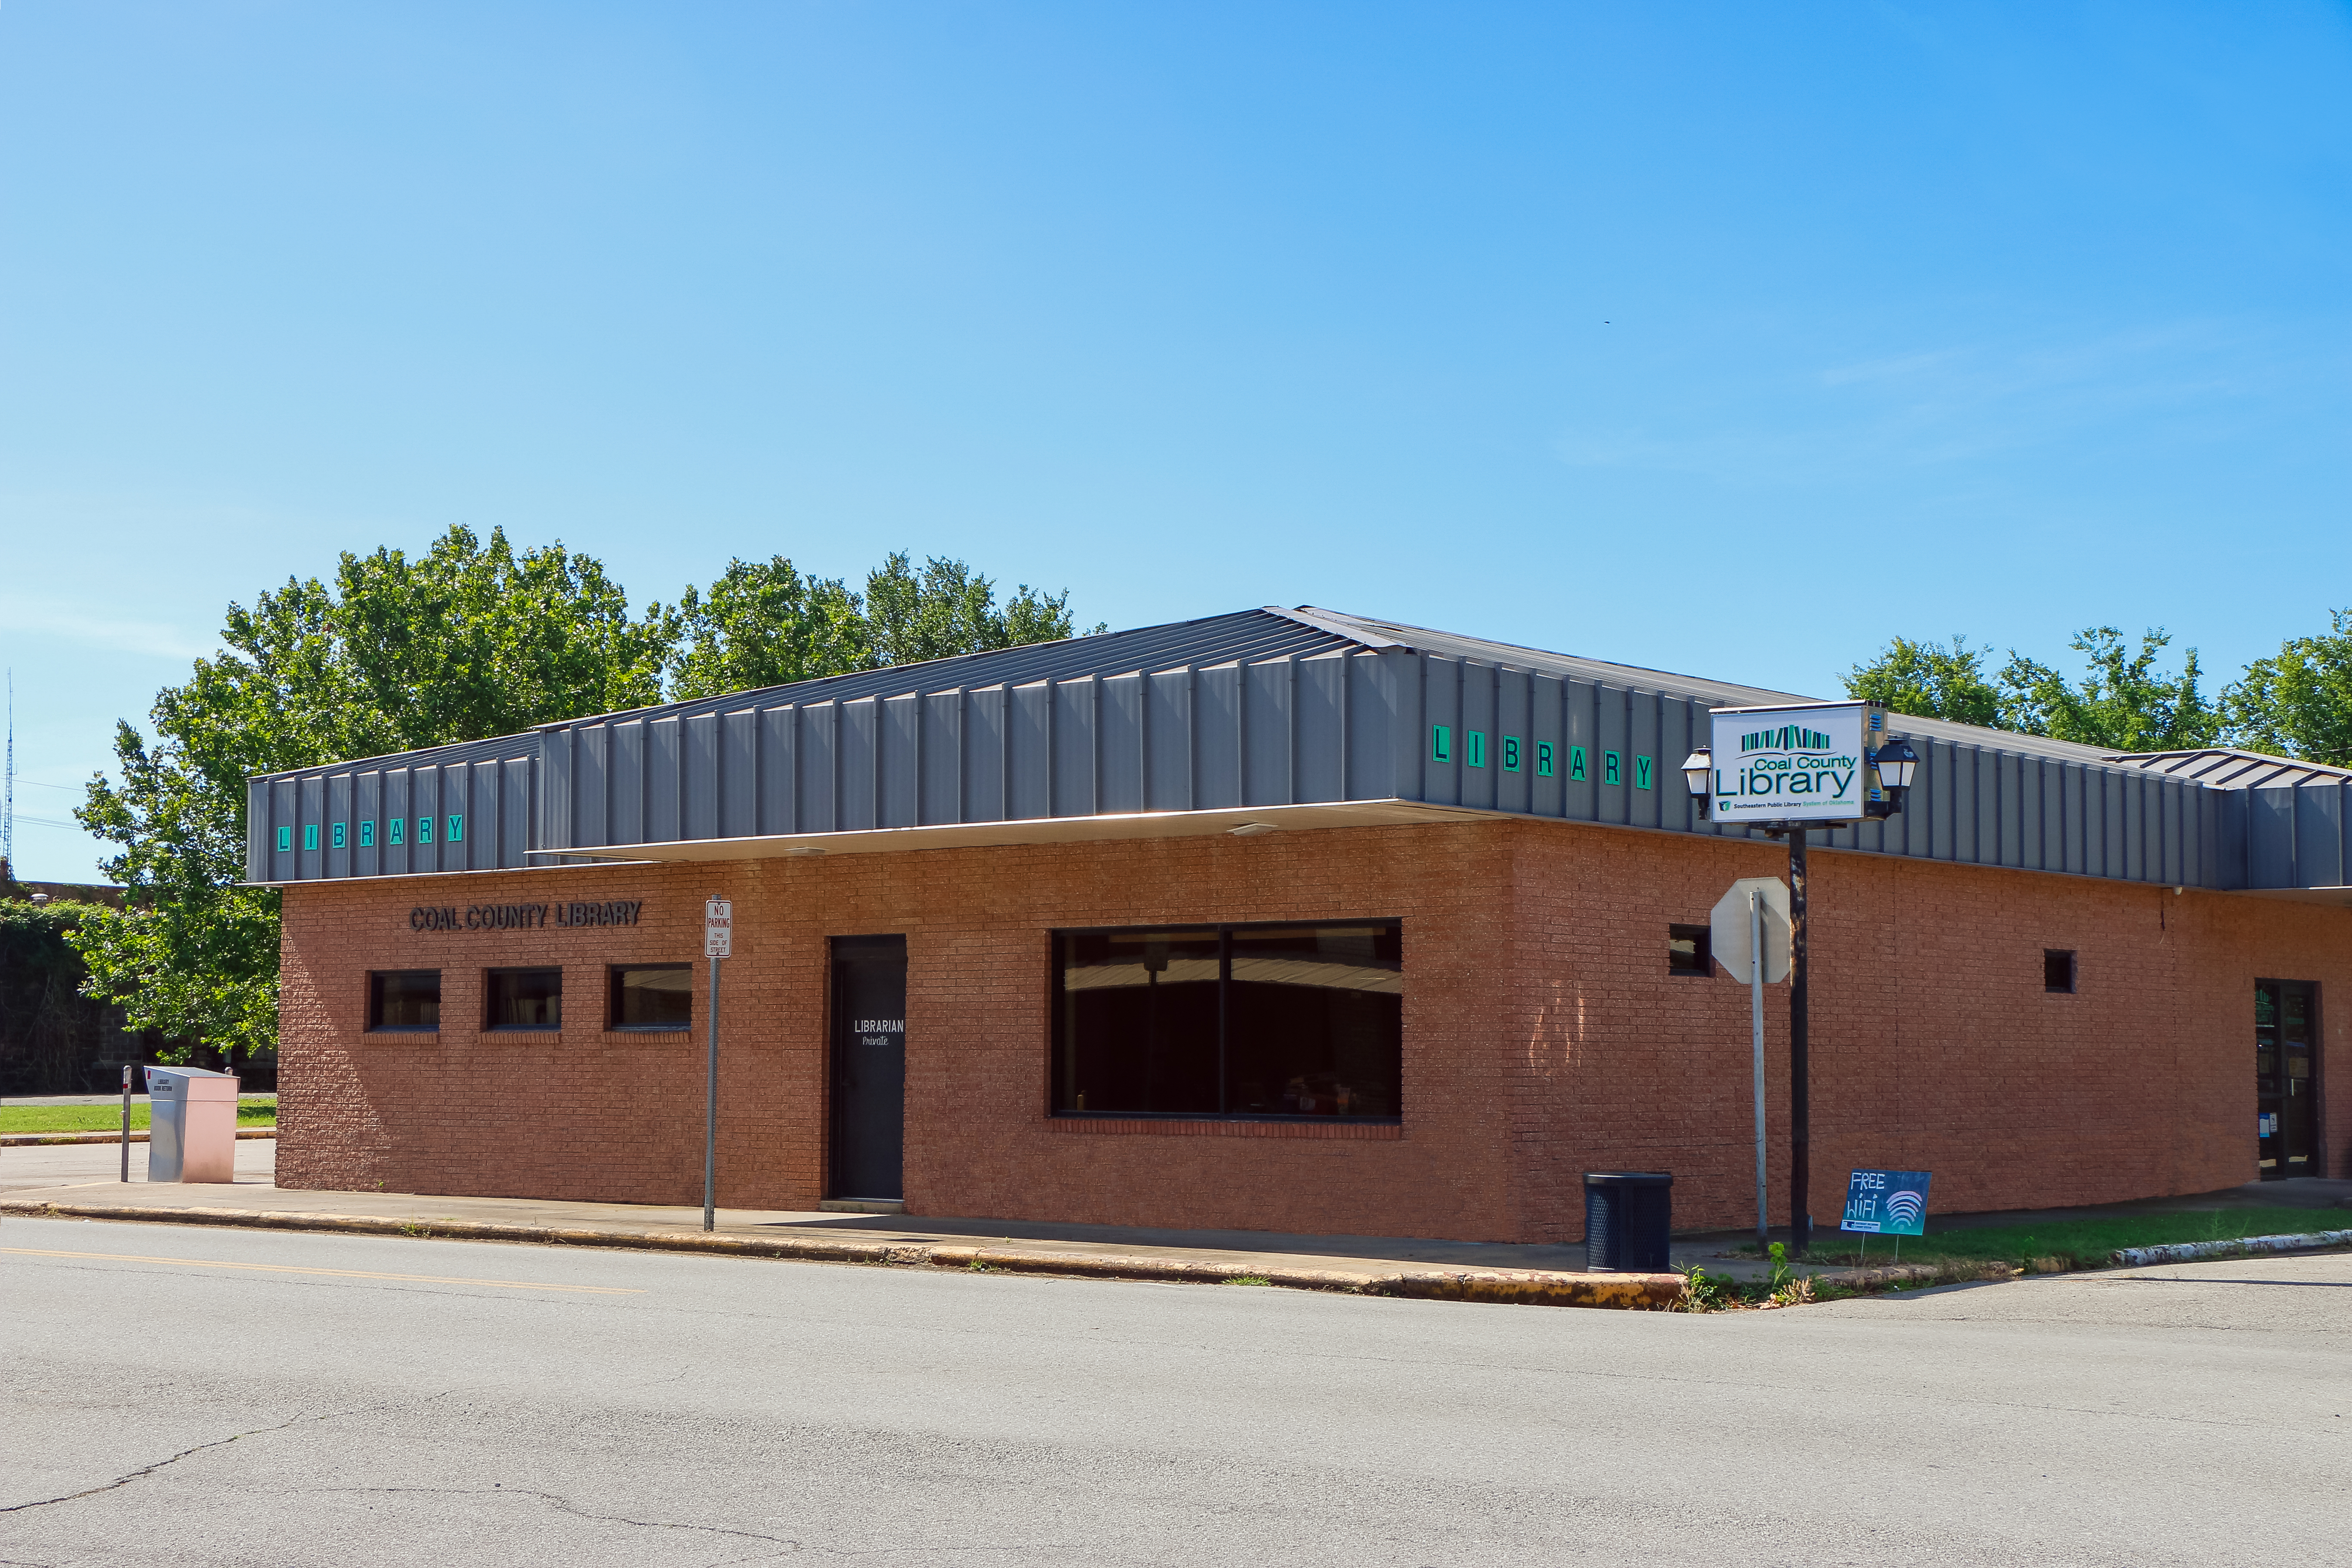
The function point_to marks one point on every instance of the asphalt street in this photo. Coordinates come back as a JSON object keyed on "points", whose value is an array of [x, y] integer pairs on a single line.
{"points": [[178, 1394]]}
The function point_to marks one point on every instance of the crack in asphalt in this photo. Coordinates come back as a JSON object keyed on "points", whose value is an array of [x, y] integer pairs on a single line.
{"points": [[144, 1470], [567, 1506]]}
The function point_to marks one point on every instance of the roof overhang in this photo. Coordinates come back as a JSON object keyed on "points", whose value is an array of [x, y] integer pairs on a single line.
{"points": [[1042, 830], [2340, 898]]}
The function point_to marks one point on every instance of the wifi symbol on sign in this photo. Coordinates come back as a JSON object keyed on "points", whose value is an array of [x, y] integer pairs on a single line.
{"points": [[1904, 1208]]}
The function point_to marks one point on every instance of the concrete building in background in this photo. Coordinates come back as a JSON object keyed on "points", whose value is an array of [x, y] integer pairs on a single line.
{"points": [[1282, 920]]}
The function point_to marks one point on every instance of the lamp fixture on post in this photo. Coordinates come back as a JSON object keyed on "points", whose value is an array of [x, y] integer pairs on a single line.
{"points": [[1894, 764], [1698, 772]]}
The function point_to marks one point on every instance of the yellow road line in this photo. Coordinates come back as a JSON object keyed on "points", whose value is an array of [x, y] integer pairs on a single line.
{"points": [[336, 1273]]}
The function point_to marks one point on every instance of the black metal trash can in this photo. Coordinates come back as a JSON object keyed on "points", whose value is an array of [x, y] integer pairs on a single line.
{"points": [[1627, 1217]]}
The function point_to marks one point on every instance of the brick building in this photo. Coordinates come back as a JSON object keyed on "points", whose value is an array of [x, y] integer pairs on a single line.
{"points": [[1281, 920]]}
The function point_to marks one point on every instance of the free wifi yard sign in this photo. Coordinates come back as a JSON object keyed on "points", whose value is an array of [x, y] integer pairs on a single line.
{"points": [[1886, 1202]]}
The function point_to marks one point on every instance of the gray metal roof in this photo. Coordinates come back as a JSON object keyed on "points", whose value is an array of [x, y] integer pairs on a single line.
{"points": [[1302, 709], [1714, 693], [2225, 769]]}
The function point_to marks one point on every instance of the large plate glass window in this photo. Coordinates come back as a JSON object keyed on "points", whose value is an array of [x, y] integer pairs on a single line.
{"points": [[524, 999], [1256, 1022], [404, 999], [653, 997]]}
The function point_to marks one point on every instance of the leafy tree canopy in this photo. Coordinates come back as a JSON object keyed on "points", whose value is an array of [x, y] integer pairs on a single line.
{"points": [[764, 624], [2298, 703], [468, 640], [1929, 679], [2121, 703]]}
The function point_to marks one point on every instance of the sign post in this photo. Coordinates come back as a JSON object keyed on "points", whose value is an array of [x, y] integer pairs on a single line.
{"points": [[718, 943], [127, 1071], [1748, 933], [1783, 769]]}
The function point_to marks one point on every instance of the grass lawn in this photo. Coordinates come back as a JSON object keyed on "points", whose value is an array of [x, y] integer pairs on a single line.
{"points": [[2074, 1243], [252, 1110]]}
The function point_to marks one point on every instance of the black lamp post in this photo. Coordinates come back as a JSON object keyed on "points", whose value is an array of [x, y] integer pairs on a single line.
{"points": [[1893, 763]]}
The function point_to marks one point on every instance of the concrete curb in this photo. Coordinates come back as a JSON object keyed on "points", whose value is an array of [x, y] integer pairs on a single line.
{"points": [[1953, 1273], [1638, 1292], [32, 1140], [2191, 1252]]}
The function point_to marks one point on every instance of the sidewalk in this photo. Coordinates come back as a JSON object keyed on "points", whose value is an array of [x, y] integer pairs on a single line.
{"points": [[1383, 1265]]}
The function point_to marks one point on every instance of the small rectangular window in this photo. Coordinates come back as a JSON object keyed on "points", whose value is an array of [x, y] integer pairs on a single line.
{"points": [[653, 997], [524, 998], [367, 833], [404, 999], [1687, 950], [2057, 969], [399, 825]]}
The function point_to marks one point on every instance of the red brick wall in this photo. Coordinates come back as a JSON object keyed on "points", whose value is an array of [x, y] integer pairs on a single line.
{"points": [[1543, 1035]]}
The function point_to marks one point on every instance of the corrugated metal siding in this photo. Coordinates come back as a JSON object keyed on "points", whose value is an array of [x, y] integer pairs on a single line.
{"points": [[1307, 716], [490, 787]]}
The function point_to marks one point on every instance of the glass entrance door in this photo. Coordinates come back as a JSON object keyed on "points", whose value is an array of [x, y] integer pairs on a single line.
{"points": [[2286, 1077]]}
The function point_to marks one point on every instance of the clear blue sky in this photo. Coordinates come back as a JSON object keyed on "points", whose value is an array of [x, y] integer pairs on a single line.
{"points": [[1723, 338]]}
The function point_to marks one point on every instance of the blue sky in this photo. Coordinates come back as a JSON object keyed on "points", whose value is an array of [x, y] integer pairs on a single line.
{"points": [[1721, 338]]}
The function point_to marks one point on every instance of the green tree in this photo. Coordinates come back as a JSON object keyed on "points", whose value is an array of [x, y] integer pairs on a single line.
{"points": [[1929, 679], [2298, 703], [2122, 703], [764, 624], [467, 641], [947, 609]]}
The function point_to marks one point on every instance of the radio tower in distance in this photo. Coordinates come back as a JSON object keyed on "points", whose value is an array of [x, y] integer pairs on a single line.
{"points": [[8, 792]]}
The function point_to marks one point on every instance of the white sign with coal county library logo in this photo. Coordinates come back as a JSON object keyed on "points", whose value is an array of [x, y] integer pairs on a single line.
{"points": [[1790, 764]]}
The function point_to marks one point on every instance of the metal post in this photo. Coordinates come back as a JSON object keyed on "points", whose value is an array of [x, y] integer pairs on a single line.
{"points": [[127, 1071], [1800, 1229], [711, 1112], [1756, 1024]]}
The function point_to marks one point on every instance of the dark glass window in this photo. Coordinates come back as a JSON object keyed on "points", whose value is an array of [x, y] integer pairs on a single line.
{"points": [[404, 999], [2057, 969], [653, 997], [1248, 1021], [1687, 950], [524, 999]]}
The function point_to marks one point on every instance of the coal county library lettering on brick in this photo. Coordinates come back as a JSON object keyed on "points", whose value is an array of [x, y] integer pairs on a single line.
{"points": [[523, 917], [1299, 920]]}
